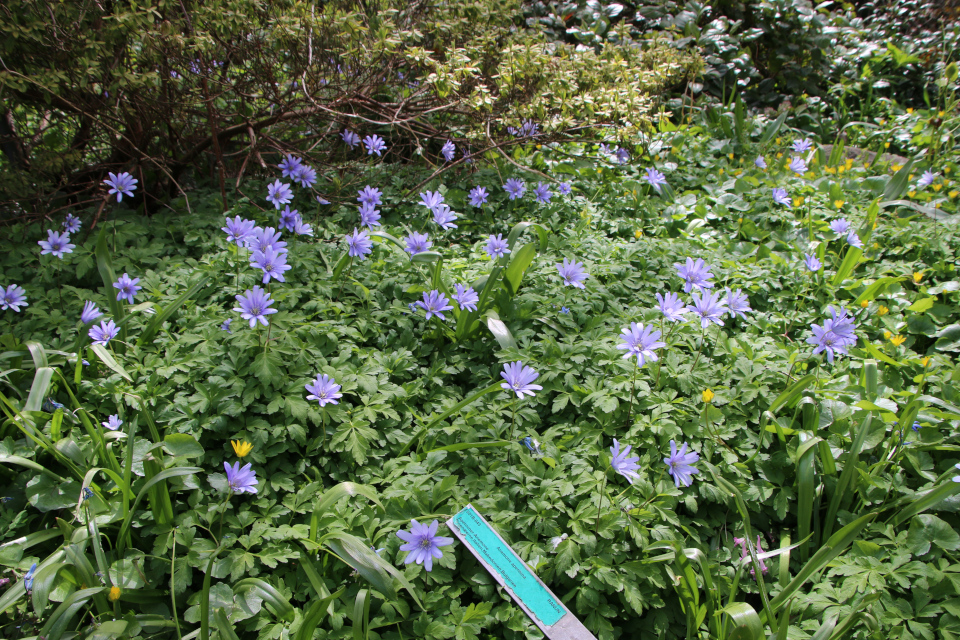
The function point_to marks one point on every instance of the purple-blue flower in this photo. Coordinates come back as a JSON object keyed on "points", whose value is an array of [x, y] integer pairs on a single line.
{"points": [[374, 145], [113, 423], [655, 178], [369, 195], [417, 243], [497, 246], [72, 223], [241, 479], [527, 128], [672, 307], [13, 297], [305, 175], [760, 162], [431, 199], [780, 197], [90, 312], [478, 196], [423, 544], [288, 165], [709, 308], [255, 306], [369, 216], [695, 274], [28, 578], [238, 230], [799, 146], [279, 193], [272, 262], [56, 244], [226, 325], [121, 184], [680, 464], [737, 303], [261, 239], [926, 179], [434, 303], [641, 342], [448, 150], [359, 244], [625, 466], [324, 390], [515, 187], [519, 379], [104, 332], [854, 240], [288, 218], [811, 263], [798, 166], [840, 226], [836, 334], [350, 138], [466, 297], [542, 193], [127, 288], [444, 217], [572, 273], [564, 188], [622, 155]]}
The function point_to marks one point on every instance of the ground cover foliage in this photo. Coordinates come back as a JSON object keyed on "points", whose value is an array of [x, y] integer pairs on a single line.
{"points": [[822, 505]]}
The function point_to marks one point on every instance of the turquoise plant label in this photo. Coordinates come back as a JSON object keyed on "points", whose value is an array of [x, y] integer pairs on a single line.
{"points": [[510, 569]]}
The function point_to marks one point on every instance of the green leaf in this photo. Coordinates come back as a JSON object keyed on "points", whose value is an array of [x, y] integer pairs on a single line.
{"points": [[500, 331], [792, 393], [924, 304], [268, 368], [925, 501], [847, 266], [270, 595], [897, 185], [746, 622], [333, 495], [926, 530], [107, 358], [105, 267], [519, 262], [182, 445], [773, 128]]}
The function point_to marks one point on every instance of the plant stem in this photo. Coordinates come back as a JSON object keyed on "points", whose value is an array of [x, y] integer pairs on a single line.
{"points": [[600, 504], [223, 509], [703, 338], [633, 392]]}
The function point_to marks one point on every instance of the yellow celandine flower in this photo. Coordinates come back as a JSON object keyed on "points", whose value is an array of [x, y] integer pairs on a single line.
{"points": [[866, 165], [937, 187], [841, 169], [882, 310], [829, 170], [886, 145], [838, 204], [940, 113], [114, 594], [954, 193], [896, 167], [778, 140], [911, 194], [798, 201], [946, 169], [849, 163], [241, 448], [737, 172], [865, 304], [887, 334], [910, 110], [779, 155], [917, 276], [708, 395], [730, 155], [637, 234], [897, 340], [925, 361], [721, 171], [811, 174]]}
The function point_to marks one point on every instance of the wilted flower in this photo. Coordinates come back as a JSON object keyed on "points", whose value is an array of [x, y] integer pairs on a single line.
{"points": [[104, 333], [431, 199], [799, 146], [56, 244], [478, 196], [780, 197], [515, 187], [305, 175], [423, 543], [369, 195], [241, 480], [760, 162], [350, 138], [444, 217], [449, 151], [542, 193], [417, 243], [324, 390], [121, 184], [926, 179], [812, 263], [359, 244], [279, 193], [369, 216], [289, 218], [13, 297], [375, 145], [737, 303], [113, 423], [466, 297], [680, 464], [238, 230], [255, 306], [272, 262], [434, 303], [71, 223], [519, 379], [497, 246], [840, 226], [744, 553], [641, 342], [289, 165], [695, 274], [709, 308], [533, 445], [127, 288], [572, 273], [655, 178], [672, 307], [798, 166], [627, 467]]}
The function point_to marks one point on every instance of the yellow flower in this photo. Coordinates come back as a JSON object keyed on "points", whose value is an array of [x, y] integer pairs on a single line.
{"points": [[910, 110], [730, 155], [637, 234], [896, 167], [866, 165], [849, 163], [886, 145], [798, 201], [911, 193], [708, 395], [811, 174], [887, 334], [925, 361], [829, 170], [882, 310], [876, 245], [779, 155], [721, 171], [946, 169], [897, 340], [940, 113], [917, 276], [737, 172], [740, 220], [838, 204], [841, 169], [954, 193], [241, 447], [778, 140], [114, 594], [937, 187], [865, 303]]}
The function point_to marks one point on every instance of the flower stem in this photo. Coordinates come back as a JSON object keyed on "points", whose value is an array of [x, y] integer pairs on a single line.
{"points": [[223, 508], [703, 338], [600, 504], [633, 392]]}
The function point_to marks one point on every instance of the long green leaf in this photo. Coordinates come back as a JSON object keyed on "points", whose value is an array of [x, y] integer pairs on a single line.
{"points": [[361, 616], [806, 479], [463, 446], [159, 318], [270, 595], [105, 267], [925, 501], [846, 476], [314, 616], [500, 331], [897, 185], [773, 128], [792, 393], [39, 388], [519, 262], [107, 358], [446, 414], [163, 475], [847, 266], [57, 622], [362, 558], [333, 495], [746, 622], [224, 626]]}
